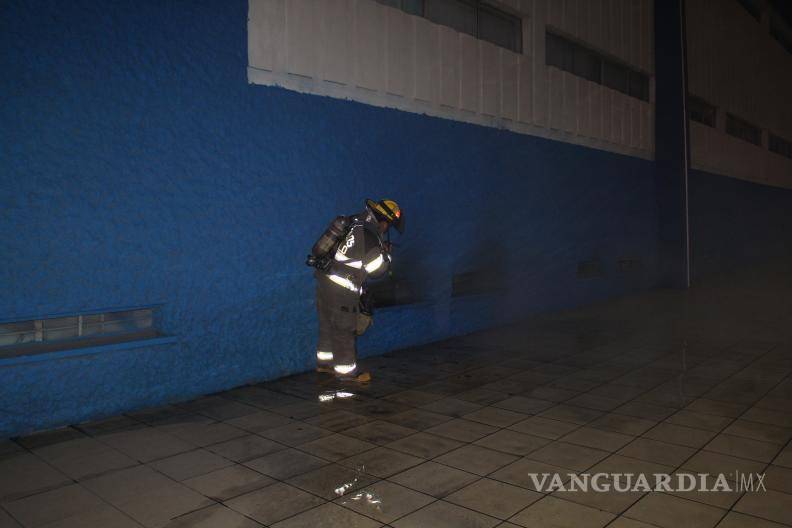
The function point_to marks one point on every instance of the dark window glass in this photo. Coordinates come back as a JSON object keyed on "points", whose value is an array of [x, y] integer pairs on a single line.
{"points": [[743, 129], [501, 29], [452, 13], [468, 16], [560, 52], [701, 111], [587, 65], [413, 7], [616, 76], [779, 145]]}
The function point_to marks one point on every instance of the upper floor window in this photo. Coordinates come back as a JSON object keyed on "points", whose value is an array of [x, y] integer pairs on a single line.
{"points": [[779, 145], [701, 111], [589, 64], [744, 130], [472, 17]]}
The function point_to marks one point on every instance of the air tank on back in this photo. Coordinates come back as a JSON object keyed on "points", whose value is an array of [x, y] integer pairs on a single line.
{"points": [[330, 237]]}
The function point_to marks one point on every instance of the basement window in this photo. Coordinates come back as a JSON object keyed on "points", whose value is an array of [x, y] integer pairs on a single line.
{"points": [[740, 128], [701, 111], [76, 331]]}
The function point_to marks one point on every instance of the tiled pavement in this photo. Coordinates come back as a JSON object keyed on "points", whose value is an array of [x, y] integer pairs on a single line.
{"points": [[447, 434]]}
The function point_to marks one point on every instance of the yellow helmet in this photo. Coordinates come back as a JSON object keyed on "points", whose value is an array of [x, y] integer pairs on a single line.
{"points": [[389, 211]]}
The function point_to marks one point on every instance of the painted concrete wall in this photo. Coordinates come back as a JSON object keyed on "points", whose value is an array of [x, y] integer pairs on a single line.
{"points": [[365, 51], [736, 65], [140, 167], [736, 224]]}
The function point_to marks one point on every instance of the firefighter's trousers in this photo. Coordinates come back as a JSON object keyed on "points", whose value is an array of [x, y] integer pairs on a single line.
{"points": [[338, 312]]}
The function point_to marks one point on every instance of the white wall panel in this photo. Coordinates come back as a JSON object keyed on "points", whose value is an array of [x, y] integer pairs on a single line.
{"points": [[369, 44], [540, 100], [593, 24], [554, 10], [646, 125], [570, 103], [582, 110], [595, 119], [646, 36], [470, 76], [617, 107], [510, 84], [556, 89], [614, 23], [266, 35], [302, 28], [401, 63], [336, 45], [526, 98], [427, 60], [635, 122], [571, 10], [449, 67], [490, 79], [607, 114], [382, 56]]}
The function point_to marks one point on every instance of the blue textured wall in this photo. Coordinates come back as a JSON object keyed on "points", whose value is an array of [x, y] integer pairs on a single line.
{"points": [[737, 224], [138, 167]]}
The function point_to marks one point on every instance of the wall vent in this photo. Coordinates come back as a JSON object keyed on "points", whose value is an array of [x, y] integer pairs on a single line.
{"points": [[76, 331], [478, 282], [392, 292], [629, 265], [589, 269]]}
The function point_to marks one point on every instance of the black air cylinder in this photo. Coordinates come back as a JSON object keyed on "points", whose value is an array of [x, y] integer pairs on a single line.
{"points": [[330, 237]]}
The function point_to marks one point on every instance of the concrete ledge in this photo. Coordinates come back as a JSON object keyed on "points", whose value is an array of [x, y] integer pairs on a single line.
{"points": [[86, 351]]}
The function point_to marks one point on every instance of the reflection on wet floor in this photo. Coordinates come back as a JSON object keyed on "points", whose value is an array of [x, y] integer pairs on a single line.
{"points": [[446, 434], [328, 396], [365, 497]]}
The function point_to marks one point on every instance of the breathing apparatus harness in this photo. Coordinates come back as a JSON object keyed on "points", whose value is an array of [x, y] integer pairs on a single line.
{"points": [[321, 256]]}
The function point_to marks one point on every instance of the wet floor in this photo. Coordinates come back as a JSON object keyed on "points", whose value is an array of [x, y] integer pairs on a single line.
{"points": [[449, 434]]}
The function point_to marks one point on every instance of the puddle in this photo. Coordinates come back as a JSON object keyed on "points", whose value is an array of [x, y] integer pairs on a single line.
{"points": [[328, 396], [364, 496]]}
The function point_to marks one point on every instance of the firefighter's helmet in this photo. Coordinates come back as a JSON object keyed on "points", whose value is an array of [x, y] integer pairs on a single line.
{"points": [[389, 211]]}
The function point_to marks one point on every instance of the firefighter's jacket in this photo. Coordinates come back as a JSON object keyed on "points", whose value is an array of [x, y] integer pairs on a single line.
{"points": [[360, 255]]}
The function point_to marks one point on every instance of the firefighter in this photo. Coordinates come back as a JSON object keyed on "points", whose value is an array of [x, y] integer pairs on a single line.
{"points": [[350, 251]]}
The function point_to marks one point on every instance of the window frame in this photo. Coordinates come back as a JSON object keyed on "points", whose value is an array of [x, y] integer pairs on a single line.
{"points": [[635, 83], [733, 120], [78, 330], [478, 6], [705, 107], [779, 145]]}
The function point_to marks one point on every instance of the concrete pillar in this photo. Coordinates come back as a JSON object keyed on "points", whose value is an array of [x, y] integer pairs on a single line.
{"points": [[671, 144]]}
